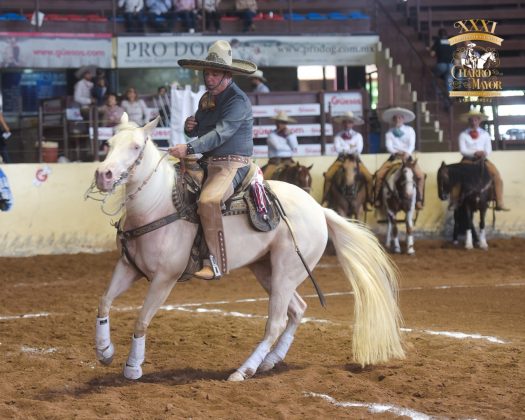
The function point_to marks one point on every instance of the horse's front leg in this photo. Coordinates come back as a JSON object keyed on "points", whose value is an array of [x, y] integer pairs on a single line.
{"points": [[482, 236], [393, 233], [123, 277], [470, 226], [158, 292], [409, 222]]}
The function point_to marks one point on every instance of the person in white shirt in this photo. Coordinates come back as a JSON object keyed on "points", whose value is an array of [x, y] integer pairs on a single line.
{"points": [[282, 145], [348, 142], [474, 144], [82, 93], [400, 142], [136, 108], [259, 82], [133, 13]]}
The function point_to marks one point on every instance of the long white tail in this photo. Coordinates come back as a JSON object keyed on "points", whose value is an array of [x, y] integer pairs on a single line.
{"points": [[373, 276]]}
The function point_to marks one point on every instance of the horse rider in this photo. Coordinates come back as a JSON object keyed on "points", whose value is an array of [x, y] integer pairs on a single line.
{"points": [[223, 127], [400, 143], [348, 142], [475, 144], [282, 145]]}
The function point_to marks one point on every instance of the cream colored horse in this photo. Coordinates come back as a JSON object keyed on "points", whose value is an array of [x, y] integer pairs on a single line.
{"points": [[162, 256]]}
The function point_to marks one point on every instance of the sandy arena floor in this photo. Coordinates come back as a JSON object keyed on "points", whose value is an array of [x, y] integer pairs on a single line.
{"points": [[49, 371]]}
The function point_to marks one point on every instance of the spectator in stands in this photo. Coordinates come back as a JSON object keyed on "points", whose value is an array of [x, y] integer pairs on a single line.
{"points": [[444, 54], [162, 103], [135, 107], [99, 91], [282, 145], [111, 111], [5, 133], [211, 14], [158, 14], [133, 14], [400, 143], [259, 82], [82, 92], [474, 144], [348, 142], [185, 10], [246, 9], [6, 198]]}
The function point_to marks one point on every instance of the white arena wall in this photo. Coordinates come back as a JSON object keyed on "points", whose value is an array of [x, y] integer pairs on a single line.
{"points": [[53, 218]]}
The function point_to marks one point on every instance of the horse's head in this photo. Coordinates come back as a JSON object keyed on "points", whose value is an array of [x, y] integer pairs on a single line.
{"points": [[350, 168], [443, 182], [126, 153], [303, 178], [405, 183]]}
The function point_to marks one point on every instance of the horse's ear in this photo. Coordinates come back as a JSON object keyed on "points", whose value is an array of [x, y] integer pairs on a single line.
{"points": [[149, 127], [443, 164], [124, 119], [310, 167]]}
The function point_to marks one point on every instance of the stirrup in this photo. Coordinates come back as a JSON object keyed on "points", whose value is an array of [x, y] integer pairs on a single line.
{"points": [[209, 272]]}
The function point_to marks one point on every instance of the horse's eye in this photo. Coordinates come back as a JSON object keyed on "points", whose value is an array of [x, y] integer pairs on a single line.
{"points": [[136, 147]]}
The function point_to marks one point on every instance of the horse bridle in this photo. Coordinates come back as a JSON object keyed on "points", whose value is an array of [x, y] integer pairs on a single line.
{"points": [[126, 174]]}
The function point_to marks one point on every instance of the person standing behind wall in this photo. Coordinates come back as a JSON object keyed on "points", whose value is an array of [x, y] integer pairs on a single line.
{"points": [[282, 145], [5, 133], [259, 82], [6, 198]]}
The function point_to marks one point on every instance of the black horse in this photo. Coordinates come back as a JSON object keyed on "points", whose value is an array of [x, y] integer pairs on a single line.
{"points": [[474, 193]]}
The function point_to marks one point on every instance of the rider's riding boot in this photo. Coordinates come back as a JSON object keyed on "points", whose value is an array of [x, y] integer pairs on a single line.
{"points": [[208, 272], [419, 205], [377, 203], [499, 207]]}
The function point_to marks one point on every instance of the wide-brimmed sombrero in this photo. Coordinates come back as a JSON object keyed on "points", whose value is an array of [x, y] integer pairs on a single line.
{"points": [[220, 57], [348, 116], [473, 113], [283, 117], [257, 74], [405, 113]]}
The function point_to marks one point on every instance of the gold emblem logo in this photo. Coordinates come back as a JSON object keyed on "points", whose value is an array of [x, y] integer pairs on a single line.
{"points": [[476, 64]]}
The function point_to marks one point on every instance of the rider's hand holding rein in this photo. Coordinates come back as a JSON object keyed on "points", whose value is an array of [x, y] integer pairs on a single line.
{"points": [[179, 150], [190, 124]]}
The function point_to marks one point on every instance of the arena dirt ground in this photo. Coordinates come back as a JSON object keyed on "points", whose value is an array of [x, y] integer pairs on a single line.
{"points": [[48, 367]]}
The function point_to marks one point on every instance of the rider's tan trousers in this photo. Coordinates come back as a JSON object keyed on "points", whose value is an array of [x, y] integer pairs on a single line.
{"points": [[217, 189], [273, 164]]}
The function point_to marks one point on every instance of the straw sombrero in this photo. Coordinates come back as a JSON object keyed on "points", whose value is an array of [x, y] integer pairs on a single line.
{"points": [[283, 117], [220, 58], [348, 116], [473, 113], [257, 74], [405, 113]]}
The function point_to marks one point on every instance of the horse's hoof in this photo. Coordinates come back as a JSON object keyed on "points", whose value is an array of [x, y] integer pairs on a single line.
{"points": [[266, 366], [397, 250], [132, 372], [469, 246], [236, 377], [484, 246], [105, 356], [411, 251]]}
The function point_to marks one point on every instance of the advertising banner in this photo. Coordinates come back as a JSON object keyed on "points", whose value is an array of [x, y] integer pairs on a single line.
{"points": [[54, 50], [265, 51]]}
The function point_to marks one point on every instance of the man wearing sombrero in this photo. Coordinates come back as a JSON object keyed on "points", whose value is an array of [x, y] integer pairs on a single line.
{"points": [[282, 144], [223, 127], [348, 142], [475, 144], [400, 142], [259, 82]]}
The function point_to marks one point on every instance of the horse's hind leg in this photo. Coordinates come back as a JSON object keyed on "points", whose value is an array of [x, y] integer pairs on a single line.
{"points": [[296, 310], [122, 279], [282, 289]]}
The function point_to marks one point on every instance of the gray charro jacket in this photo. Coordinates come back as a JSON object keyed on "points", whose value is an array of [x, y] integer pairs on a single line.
{"points": [[227, 128]]}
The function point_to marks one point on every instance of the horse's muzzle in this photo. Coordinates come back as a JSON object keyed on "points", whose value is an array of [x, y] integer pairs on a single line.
{"points": [[104, 180]]}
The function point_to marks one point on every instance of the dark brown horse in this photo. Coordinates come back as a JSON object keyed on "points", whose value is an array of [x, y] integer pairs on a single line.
{"points": [[347, 194], [294, 174]]}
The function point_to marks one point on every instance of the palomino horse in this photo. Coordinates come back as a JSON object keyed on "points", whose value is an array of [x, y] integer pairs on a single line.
{"points": [[162, 255], [294, 174], [475, 192], [399, 194], [347, 194]]}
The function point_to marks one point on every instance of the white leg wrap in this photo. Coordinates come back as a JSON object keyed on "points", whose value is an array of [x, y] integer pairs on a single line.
{"points": [[397, 246], [468, 239], [250, 366], [132, 369], [104, 347], [102, 333], [410, 245], [483, 240], [282, 347]]}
